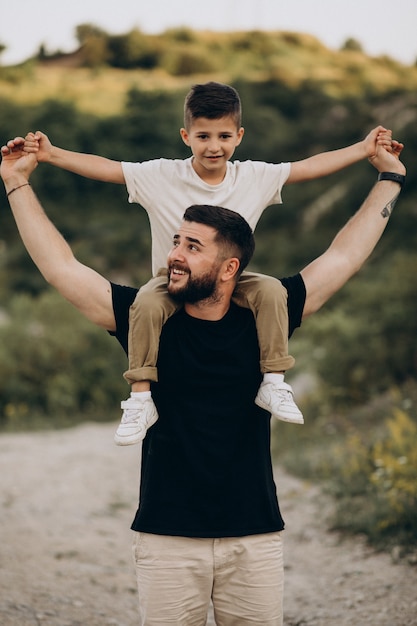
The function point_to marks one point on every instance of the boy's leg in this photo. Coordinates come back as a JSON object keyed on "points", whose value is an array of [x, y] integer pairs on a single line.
{"points": [[267, 299], [150, 310], [148, 313]]}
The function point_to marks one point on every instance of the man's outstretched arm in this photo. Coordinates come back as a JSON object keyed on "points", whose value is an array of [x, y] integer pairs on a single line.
{"points": [[87, 290], [357, 239]]}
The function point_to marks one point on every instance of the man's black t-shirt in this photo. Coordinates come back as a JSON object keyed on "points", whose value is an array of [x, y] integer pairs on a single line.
{"points": [[206, 464]]}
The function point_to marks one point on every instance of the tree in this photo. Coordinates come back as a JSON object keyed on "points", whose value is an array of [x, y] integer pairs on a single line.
{"points": [[352, 44]]}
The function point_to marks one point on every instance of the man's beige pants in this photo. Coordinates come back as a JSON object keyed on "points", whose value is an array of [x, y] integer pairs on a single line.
{"points": [[177, 578]]}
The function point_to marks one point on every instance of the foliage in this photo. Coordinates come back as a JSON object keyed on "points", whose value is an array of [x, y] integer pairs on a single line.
{"points": [[61, 371], [376, 484], [352, 44], [366, 459], [364, 337], [132, 50]]}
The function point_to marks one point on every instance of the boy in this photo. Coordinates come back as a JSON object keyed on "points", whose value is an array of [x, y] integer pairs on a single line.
{"points": [[164, 187]]}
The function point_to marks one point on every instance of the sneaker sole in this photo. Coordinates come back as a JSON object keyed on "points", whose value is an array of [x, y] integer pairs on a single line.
{"points": [[126, 441]]}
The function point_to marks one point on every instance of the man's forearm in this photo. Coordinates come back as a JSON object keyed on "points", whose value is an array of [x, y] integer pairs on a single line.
{"points": [[87, 290], [46, 246], [360, 235], [351, 246]]}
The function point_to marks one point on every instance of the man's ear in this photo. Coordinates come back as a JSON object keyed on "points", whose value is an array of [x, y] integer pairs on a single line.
{"points": [[230, 269], [184, 136]]}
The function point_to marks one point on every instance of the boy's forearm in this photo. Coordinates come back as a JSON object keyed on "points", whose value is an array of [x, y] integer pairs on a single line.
{"points": [[326, 163], [87, 165]]}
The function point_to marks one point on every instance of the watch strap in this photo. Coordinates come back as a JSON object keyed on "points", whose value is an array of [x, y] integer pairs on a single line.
{"points": [[396, 178]]}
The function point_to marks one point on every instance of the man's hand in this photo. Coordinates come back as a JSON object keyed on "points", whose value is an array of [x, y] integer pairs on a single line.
{"points": [[38, 143], [385, 160], [16, 164]]}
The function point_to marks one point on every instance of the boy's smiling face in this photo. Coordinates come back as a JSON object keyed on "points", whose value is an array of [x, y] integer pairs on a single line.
{"points": [[212, 143]]}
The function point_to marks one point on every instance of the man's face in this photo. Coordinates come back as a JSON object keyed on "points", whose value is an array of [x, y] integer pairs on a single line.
{"points": [[194, 264], [212, 143]]}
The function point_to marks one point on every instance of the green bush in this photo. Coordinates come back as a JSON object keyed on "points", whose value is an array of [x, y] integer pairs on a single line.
{"points": [[185, 61], [376, 484], [133, 50], [362, 345], [56, 365]]}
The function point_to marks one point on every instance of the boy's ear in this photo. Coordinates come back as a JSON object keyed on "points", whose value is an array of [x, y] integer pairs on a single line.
{"points": [[240, 134], [184, 136]]}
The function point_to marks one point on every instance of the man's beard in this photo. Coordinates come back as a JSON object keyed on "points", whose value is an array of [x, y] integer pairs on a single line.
{"points": [[198, 288]]}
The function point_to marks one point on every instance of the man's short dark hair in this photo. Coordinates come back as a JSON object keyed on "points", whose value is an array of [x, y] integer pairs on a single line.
{"points": [[213, 101], [234, 235]]}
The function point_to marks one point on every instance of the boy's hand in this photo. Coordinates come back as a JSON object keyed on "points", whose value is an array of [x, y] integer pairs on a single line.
{"points": [[38, 143], [379, 136]]}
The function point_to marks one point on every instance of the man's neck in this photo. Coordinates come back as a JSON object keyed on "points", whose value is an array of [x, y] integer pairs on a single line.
{"points": [[208, 310]]}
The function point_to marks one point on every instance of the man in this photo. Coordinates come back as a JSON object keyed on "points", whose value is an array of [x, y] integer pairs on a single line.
{"points": [[208, 526]]}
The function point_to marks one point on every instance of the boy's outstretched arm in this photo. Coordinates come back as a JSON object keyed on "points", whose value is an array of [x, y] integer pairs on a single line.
{"points": [[88, 165], [87, 290], [327, 163], [357, 239]]}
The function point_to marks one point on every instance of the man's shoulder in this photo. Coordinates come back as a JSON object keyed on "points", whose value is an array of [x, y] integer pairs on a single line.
{"points": [[123, 294], [122, 297], [296, 297]]}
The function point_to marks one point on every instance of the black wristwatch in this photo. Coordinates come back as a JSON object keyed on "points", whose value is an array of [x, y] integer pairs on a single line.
{"points": [[396, 178]]}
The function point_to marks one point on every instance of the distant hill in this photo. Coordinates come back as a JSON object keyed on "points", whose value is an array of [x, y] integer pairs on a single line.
{"points": [[98, 75]]}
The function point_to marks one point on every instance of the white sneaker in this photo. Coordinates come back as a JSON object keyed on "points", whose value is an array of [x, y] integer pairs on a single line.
{"points": [[138, 416], [277, 399]]}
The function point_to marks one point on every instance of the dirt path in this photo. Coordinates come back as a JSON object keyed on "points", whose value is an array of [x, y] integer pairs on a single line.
{"points": [[66, 502]]}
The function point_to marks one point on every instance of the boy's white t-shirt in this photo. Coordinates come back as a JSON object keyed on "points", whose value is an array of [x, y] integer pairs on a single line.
{"points": [[165, 188]]}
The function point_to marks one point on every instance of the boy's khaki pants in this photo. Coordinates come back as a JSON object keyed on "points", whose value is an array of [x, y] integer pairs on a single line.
{"points": [[264, 295]]}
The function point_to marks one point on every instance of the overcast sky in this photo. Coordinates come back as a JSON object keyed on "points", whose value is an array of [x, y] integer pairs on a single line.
{"points": [[381, 26]]}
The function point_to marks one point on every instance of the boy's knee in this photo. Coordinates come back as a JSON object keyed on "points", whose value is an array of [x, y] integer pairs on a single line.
{"points": [[268, 290], [147, 301], [269, 285], [152, 304]]}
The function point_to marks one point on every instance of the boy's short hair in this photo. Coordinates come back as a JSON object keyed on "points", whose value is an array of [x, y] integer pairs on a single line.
{"points": [[213, 101], [234, 235]]}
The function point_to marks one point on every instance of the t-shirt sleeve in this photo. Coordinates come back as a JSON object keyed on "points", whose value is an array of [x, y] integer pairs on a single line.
{"points": [[296, 300], [144, 179], [131, 172], [123, 298], [284, 172]]}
